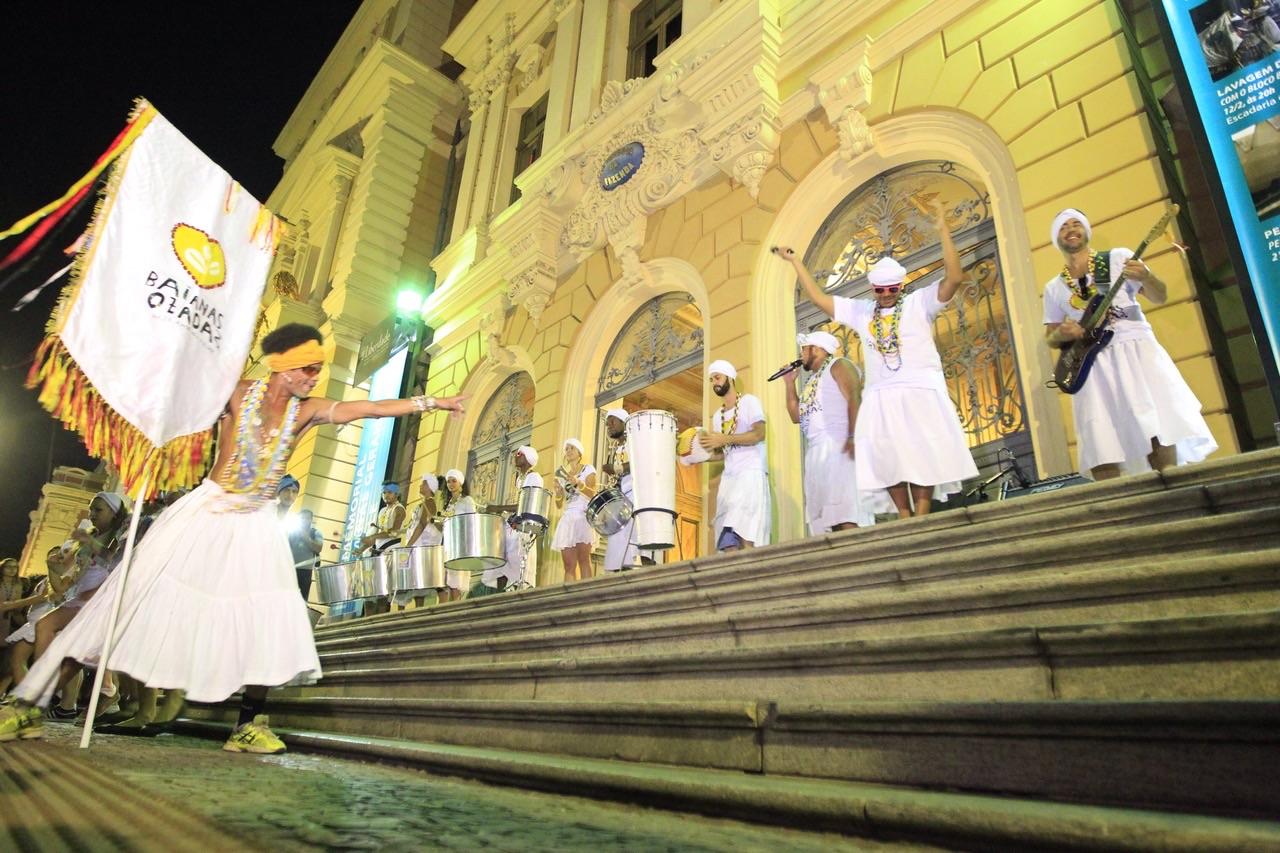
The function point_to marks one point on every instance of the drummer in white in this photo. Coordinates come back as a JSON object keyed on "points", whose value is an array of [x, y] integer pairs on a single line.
{"points": [[457, 501], [907, 436], [621, 551], [826, 407], [423, 531], [574, 486], [498, 579], [742, 517]]}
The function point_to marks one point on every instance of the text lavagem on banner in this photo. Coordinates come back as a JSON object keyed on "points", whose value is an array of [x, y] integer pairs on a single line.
{"points": [[152, 333]]}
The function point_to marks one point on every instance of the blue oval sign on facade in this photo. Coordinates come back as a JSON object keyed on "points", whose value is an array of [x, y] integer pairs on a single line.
{"points": [[620, 166]]}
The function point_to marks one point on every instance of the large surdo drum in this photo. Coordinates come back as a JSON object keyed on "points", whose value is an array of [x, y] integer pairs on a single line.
{"points": [[651, 447]]}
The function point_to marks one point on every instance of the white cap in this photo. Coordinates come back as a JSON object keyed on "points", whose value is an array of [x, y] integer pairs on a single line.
{"points": [[887, 271], [530, 455], [574, 443], [722, 366], [1063, 218], [819, 339], [455, 474], [111, 499], [620, 414], [432, 481]]}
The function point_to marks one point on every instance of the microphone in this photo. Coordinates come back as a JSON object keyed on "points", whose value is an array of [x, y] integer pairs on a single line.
{"points": [[787, 369]]}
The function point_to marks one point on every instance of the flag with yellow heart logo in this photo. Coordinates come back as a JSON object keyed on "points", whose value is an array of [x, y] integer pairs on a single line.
{"points": [[153, 330]]}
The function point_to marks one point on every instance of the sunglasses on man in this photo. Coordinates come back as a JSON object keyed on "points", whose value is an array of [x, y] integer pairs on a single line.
{"points": [[885, 289]]}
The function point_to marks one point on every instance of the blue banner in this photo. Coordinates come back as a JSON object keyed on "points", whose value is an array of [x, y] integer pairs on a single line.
{"points": [[1229, 51], [371, 460]]}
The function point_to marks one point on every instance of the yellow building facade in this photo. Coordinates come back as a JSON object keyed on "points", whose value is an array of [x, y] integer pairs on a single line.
{"points": [[608, 234]]}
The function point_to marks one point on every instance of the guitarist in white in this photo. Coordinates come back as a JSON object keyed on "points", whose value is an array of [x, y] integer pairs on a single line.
{"points": [[1134, 412]]}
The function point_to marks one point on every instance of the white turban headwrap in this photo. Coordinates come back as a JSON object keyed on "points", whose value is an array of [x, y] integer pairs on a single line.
{"points": [[821, 340], [886, 271], [1062, 219], [574, 443], [722, 366], [111, 499], [620, 414], [530, 455], [432, 481], [455, 474]]}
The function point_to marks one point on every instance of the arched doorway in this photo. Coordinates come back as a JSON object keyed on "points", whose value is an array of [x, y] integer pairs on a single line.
{"points": [[892, 215], [505, 424], [656, 363]]}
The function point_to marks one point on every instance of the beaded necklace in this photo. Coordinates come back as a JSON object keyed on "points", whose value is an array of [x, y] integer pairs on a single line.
{"points": [[809, 393], [887, 342], [730, 423], [257, 462], [1083, 289]]}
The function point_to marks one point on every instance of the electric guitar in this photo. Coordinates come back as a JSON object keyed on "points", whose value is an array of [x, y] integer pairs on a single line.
{"points": [[1077, 357]]}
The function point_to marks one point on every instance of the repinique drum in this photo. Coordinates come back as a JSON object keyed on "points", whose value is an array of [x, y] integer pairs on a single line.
{"points": [[651, 446], [474, 542], [531, 511], [608, 512], [418, 568]]}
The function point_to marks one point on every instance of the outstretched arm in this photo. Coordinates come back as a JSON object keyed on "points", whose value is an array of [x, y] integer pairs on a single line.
{"points": [[816, 294], [332, 412], [953, 271]]}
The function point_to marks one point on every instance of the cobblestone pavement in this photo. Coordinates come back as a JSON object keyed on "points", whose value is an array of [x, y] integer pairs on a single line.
{"points": [[307, 802]]}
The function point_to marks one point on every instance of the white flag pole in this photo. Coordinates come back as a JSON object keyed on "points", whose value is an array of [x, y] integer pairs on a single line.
{"points": [[123, 571]]}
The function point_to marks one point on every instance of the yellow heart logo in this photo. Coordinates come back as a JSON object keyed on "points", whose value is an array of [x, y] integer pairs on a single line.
{"points": [[200, 255]]}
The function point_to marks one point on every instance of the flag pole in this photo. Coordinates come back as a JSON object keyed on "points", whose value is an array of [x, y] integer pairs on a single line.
{"points": [[115, 611]]}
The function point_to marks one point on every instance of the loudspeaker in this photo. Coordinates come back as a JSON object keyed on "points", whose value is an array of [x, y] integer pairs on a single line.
{"points": [[1052, 484]]}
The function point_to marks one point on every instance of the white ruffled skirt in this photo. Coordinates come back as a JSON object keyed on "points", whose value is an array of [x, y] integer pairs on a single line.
{"points": [[573, 529], [211, 605], [742, 503], [1134, 393], [27, 633], [908, 434], [831, 493]]}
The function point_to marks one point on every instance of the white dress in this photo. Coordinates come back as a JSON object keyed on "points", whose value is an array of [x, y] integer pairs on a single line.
{"points": [[511, 547], [831, 494], [459, 580], [908, 430], [211, 606], [572, 528], [742, 501], [27, 632], [1133, 392]]}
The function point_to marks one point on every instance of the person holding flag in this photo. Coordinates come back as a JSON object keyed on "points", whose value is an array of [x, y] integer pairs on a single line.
{"points": [[211, 604]]}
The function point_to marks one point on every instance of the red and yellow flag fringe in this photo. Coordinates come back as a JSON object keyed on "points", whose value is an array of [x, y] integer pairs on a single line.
{"points": [[68, 395]]}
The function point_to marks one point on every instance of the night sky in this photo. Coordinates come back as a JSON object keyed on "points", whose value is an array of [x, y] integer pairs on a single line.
{"points": [[228, 75]]}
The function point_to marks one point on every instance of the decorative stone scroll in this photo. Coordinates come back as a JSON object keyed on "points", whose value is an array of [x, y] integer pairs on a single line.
{"points": [[843, 88]]}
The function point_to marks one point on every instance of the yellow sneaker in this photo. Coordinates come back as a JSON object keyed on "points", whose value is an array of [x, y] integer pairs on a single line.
{"points": [[18, 721], [255, 737]]}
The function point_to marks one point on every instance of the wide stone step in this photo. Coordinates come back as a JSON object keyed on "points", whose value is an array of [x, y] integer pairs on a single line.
{"points": [[1138, 589], [1224, 656], [1111, 753], [818, 574], [967, 821]]}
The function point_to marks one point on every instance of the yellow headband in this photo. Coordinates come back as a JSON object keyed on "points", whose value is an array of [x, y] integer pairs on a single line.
{"points": [[303, 354]]}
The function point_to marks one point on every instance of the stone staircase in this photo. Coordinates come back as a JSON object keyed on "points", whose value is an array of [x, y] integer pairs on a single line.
{"points": [[1094, 667]]}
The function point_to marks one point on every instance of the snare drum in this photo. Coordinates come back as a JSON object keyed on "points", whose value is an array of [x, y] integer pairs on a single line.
{"points": [[531, 512], [474, 542], [608, 512]]}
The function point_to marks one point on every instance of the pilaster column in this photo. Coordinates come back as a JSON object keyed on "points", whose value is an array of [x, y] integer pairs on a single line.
{"points": [[462, 220], [587, 76], [564, 66], [332, 216], [485, 204]]}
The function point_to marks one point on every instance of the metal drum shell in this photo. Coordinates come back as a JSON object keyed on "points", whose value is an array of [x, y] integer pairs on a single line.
{"points": [[379, 573], [340, 582], [609, 511], [532, 510], [418, 567], [474, 542]]}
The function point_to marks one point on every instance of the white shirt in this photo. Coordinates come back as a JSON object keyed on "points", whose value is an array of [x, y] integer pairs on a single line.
{"points": [[1058, 305], [738, 458], [577, 501], [921, 366]]}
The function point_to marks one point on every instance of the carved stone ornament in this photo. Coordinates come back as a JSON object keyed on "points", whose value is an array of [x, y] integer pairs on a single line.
{"points": [[530, 63], [627, 243], [492, 324], [844, 90]]}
